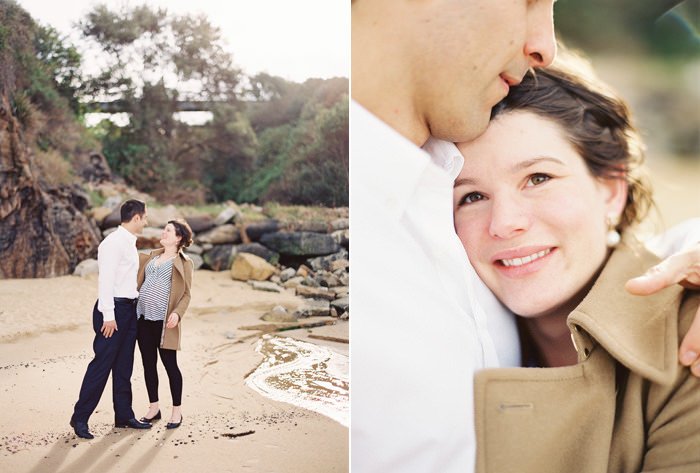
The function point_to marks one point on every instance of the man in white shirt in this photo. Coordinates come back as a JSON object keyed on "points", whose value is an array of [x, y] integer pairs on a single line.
{"points": [[423, 322], [114, 322]]}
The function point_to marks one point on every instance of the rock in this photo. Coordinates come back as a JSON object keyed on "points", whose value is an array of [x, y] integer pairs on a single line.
{"points": [[314, 226], [219, 235], [255, 230], [265, 286], [247, 266], [341, 291], [326, 279], [227, 215], [275, 279], [339, 265], [114, 202], [310, 281], [344, 315], [300, 243], [313, 308], [112, 220], [197, 260], [160, 216], [279, 314], [342, 304], [340, 224], [230, 335], [326, 262], [200, 224], [293, 282], [287, 274], [207, 247], [105, 233], [258, 250], [149, 238], [42, 233], [96, 170], [195, 249], [218, 258], [342, 237], [315, 292], [333, 312], [99, 214], [303, 271], [344, 279], [86, 267]]}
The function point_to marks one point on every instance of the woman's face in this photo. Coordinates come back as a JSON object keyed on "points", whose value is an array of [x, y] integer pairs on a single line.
{"points": [[531, 216], [168, 237]]}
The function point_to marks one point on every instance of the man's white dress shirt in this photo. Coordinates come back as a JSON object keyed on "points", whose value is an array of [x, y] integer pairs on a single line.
{"points": [[118, 263], [422, 321]]}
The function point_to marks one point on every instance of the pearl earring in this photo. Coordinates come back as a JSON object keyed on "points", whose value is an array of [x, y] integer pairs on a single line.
{"points": [[612, 238]]}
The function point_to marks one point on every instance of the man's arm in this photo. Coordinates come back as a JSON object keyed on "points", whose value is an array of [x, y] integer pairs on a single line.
{"points": [[681, 267], [107, 261]]}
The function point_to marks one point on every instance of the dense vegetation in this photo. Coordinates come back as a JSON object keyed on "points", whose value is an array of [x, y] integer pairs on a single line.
{"points": [[268, 139]]}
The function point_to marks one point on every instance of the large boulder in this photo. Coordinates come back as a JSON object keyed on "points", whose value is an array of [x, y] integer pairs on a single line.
{"points": [[112, 220], [159, 216], [300, 243], [149, 238], [227, 233], [258, 250], [200, 223], [197, 260], [86, 268], [218, 258], [253, 231], [247, 267], [229, 214], [313, 308], [327, 262]]}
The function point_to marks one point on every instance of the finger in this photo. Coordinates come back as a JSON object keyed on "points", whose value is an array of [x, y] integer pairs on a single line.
{"points": [[668, 272], [689, 350], [695, 369]]}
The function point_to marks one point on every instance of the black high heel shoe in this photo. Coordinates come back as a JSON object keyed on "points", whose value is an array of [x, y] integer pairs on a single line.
{"points": [[155, 417], [174, 425]]}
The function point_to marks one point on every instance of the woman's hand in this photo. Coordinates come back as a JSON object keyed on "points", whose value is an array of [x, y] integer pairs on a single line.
{"points": [[681, 268], [173, 320]]}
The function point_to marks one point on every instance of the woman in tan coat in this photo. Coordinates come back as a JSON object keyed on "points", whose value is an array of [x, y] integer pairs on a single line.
{"points": [[164, 281], [539, 206]]}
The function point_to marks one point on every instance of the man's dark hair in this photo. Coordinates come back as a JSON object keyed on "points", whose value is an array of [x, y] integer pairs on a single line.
{"points": [[131, 208]]}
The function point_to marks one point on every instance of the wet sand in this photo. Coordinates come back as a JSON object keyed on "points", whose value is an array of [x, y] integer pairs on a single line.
{"points": [[45, 345]]}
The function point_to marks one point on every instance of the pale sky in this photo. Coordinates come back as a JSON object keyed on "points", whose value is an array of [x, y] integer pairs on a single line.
{"points": [[294, 39]]}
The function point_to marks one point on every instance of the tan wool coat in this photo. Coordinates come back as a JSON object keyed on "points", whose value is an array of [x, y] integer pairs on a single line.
{"points": [[179, 298], [627, 406]]}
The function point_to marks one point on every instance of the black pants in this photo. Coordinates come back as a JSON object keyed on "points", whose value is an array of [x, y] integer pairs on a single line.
{"points": [[112, 355], [149, 342]]}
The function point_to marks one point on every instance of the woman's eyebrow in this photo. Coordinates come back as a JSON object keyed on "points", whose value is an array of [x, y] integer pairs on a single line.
{"points": [[531, 162]]}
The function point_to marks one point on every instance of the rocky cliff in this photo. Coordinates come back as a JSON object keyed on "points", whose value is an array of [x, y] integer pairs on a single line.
{"points": [[43, 233]]}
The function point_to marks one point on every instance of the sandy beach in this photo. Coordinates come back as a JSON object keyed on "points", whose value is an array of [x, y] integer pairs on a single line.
{"points": [[45, 345]]}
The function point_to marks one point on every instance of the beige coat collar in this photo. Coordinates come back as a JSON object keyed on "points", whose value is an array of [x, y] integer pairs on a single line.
{"points": [[639, 331]]}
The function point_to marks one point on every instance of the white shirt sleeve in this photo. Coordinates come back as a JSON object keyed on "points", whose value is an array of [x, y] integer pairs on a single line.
{"points": [[108, 256], [679, 238]]}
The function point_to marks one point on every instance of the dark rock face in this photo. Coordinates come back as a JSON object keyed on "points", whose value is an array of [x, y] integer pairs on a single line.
{"points": [[253, 231], [97, 169], [42, 234], [300, 243], [258, 250], [219, 258], [200, 224]]}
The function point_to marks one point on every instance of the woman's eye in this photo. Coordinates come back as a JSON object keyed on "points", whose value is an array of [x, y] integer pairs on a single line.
{"points": [[471, 198], [537, 179]]}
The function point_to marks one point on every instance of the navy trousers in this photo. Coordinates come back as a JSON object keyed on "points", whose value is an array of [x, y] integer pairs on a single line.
{"points": [[112, 355]]}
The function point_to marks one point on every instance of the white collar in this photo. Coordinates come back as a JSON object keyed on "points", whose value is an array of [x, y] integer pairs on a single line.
{"points": [[132, 238]]}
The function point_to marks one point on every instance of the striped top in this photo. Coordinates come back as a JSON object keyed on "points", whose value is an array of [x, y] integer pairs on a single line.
{"points": [[155, 290]]}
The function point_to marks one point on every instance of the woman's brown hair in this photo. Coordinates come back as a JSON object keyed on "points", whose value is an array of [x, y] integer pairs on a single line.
{"points": [[183, 230], [595, 120]]}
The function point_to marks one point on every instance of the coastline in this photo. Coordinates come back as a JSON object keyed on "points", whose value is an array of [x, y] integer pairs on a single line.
{"points": [[45, 345]]}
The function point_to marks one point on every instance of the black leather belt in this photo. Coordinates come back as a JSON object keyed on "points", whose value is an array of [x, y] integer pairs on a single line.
{"points": [[125, 300]]}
